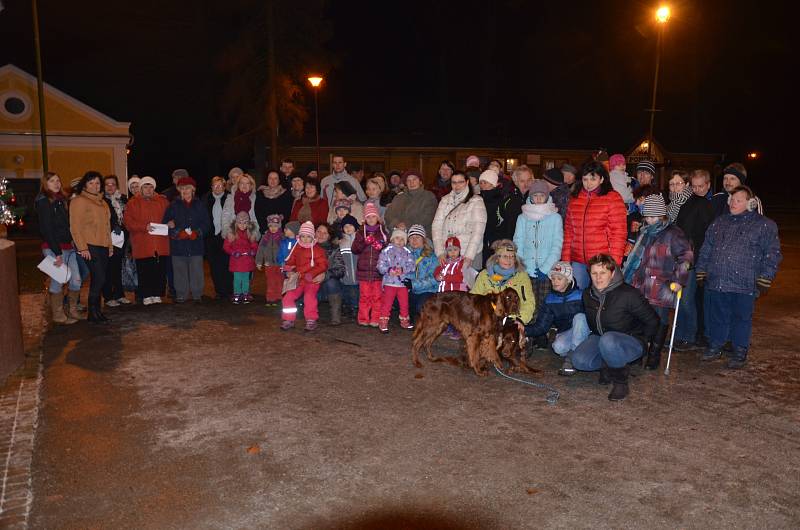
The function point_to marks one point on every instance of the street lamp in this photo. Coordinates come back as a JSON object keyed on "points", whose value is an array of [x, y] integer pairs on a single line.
{"points": [[662, 16], [316, 81]]}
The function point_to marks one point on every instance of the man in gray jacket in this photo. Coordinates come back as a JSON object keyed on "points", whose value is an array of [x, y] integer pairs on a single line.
{"points": [[340, 174]]}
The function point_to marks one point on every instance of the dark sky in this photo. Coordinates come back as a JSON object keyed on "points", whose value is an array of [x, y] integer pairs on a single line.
{"points": [[468, 72]]}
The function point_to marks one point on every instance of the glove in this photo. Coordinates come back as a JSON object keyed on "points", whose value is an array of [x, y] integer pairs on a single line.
{"points": [[407, 283], [701, 277], [763, 285]]}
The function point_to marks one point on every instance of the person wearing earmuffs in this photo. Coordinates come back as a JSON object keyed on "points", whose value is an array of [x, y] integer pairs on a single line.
{"points": [[738, 261], [733, 175]]}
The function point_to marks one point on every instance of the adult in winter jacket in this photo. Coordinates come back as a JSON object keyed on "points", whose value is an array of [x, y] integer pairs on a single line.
{"points": [[737, 263], [215, 201], [339, 174], [310, 207], [595, 223], [680, 191], [272, 199], [51, 209], [733, 176], [150, 251], [622, 323], [415, 206], [441, 186], [461, 214], [659, 267], [90, 225], [243, 198], [113, 293], [492, 195], [188, 222], [511, 206], [504, 269]]}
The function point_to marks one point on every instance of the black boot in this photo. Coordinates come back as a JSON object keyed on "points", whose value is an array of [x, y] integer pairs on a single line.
{"points": [[604, 378], [619, 376], [737, 359], [654, 353], [95, 315]]}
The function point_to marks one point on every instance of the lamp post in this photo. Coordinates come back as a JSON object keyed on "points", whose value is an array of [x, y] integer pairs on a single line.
{"points": [[662, 16], [316, 81]]}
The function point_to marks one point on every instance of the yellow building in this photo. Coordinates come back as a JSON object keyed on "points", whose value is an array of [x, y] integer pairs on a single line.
{"points": [[79, 138]]}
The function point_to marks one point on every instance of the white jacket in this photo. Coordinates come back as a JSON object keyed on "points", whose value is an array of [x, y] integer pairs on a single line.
{"points": [[466, 221]]}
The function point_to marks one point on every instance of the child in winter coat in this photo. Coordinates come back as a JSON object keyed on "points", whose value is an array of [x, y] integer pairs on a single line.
{"points": [[288, 241], [332, 285], [658, 266], [620, 180], [267, 258], [450, 275], [367, 245], [241, 243], [305, 265], [349, 280], [396, 265], [563, 310], [423, 283]]}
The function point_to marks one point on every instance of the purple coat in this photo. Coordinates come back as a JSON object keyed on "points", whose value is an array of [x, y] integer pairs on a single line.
{"points": [[396, 257], [368, 254], [667, 259]]}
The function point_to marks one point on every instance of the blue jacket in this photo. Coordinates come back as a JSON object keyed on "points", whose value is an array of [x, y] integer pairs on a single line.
{"points": [[539, 242], [392, 257], [194, 216], [423, 280], [284, 249], [557, 310], [739, 249]]}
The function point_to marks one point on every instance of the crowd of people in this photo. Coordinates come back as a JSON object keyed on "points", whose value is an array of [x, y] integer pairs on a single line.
{"points": [[597, 257]]}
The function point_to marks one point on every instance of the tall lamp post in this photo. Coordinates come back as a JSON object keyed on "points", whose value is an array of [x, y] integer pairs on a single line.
{"points": [[316, 81], [662, 16]]}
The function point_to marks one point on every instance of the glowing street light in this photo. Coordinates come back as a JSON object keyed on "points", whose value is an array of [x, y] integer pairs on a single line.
{"points": [[662, 16], [752, 155], [316, 81]]}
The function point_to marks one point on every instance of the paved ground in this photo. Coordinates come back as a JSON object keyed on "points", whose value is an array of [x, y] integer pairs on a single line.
{"points": [[206, 416]]}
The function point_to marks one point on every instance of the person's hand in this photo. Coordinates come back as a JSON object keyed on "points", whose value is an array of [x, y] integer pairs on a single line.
{"points": [[171, 223], [408, 284], [701, 277], [59, 260], [467, 262], [319, 278], [442, 260], [763, 285], [188, 230], [110, 252], [85, 254]]}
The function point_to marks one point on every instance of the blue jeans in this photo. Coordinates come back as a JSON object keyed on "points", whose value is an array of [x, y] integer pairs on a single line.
{"points": [[350, 296], [730, 316], [615, 348], [568, 340], [687, 313], [581, 274], [329, 287], [70, 259]]}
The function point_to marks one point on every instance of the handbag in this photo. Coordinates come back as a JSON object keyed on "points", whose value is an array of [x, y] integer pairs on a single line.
{"points": [[130, 279]]}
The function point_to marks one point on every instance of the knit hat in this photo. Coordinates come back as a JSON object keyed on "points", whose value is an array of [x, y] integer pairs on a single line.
{"points": [[539, 186], [306, 229], [243, 216], [473, 161], [349, 220], [568, 168], [554, 176], [562, 268], [490, 176], [731, 170], [179, 173], [371, 209], [653, 206], [235, 171], [399, 232], [134, 180], [646, 165], [616, 160], [407, 173], [417, 230], [452, 242], [342, 203], [187, 181], [274, 219], [148, 180], [293, 227]]}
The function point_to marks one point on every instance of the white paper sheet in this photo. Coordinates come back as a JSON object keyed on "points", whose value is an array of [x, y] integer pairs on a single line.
{"points": [[118, 240], [159, 229], [59, 274]]}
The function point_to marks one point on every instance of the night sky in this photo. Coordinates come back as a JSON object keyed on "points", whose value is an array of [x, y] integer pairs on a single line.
{"points": [[473, 72]]}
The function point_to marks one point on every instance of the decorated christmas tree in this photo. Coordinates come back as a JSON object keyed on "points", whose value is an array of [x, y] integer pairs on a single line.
{"points": [[10, 212]]}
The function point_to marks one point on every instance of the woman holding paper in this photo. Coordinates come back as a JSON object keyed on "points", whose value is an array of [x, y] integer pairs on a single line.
{"points": [[51, 208], [149, 241], [90, 225]]}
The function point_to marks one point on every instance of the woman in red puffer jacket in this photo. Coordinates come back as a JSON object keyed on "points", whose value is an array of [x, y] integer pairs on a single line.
{"points": [[595, 222]]}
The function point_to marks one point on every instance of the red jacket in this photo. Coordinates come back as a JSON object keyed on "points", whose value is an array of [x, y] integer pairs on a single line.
{"points": [[242, 251], [300, 259], [595, 224], [138, 214], [452, 276]]}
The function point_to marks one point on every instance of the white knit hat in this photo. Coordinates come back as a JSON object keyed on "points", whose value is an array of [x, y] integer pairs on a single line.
{"points": [[490, 176], [148, 180], [134, 180], [399, 232]]}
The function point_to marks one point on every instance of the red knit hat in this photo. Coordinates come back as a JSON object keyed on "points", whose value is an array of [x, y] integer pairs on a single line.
{"points": [[307, 229], [186, 181], [452, 241]]}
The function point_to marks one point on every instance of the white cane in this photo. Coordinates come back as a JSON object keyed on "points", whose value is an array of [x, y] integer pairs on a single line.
{"points": [[673, 286]]}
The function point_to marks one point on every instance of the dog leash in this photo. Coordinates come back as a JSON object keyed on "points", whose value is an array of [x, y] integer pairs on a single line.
{"points": [[552, 393]]}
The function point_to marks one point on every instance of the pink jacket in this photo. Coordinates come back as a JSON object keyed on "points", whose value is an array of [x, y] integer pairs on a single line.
{"points": [[242, 251]]}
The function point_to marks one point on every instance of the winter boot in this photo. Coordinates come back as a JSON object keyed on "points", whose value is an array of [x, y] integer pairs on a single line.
{"points": [[605, 377], [654, 353], [95, 316], [405, 323], [566, 368], [73, 310], [711, 354], [286, 325], [383, 324], [311, 325], [619, 376], [737, 359], [335, 301], [57, 309]]}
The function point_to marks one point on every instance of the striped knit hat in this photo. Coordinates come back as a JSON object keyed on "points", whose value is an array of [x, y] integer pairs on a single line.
{"points": [[307, 229], [646, 165], [371, 209], [417, 230], [653, 206]]}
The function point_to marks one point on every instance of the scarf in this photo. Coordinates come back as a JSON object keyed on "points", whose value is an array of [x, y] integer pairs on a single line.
{"points": [[271, 237], [501, 275], [241, 202], [458, 197], [647, 234], [297, 194], [537, 212], [216, 212], [676, 200], [304, 213], [115, 202], [273, 192]]}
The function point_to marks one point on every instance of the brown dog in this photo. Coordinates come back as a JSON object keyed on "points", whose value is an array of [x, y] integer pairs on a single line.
{"points": [[474, 316], [511, 344]]}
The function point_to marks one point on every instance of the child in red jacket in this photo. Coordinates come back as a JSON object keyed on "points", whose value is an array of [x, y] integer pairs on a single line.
{"points": [[305, 267], [451, 273], [241, 243]]}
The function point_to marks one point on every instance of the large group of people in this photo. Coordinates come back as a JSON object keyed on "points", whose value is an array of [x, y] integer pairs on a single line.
{"points": [[596, 256]]}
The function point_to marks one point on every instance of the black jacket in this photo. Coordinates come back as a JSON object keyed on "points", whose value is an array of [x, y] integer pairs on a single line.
{"points": [[694, 218], [510, 209], [622, 308], [53, 222], [492, 200], [279, 205]]}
